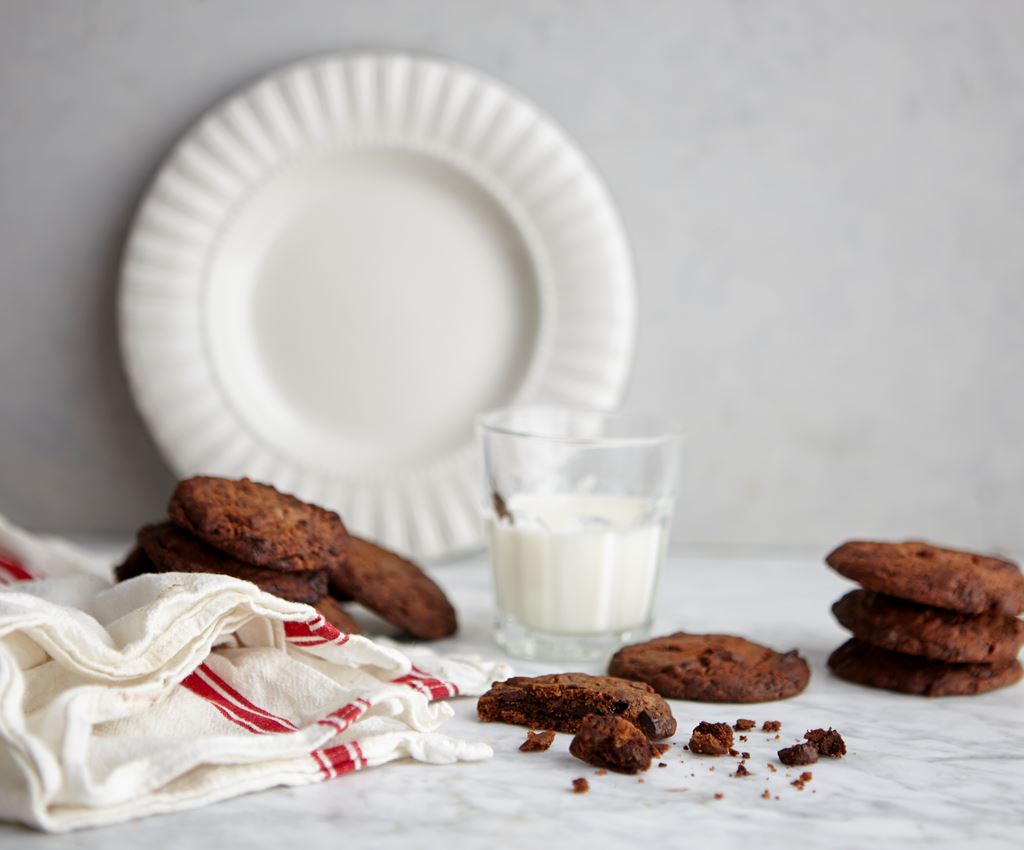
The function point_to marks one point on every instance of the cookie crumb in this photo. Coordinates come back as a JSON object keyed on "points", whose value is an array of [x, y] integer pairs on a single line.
{"points": [[743, 737], [778, 737], [580, 786], [766, 794], [662, 764], [607, 740], [742, 725], [772, 767], [798, 754], [537, 742], [771, 726], [744, 755], [713, 739], [806, 776], [734, 753], [828, 742], [601, 771], [679, 790], [741, 770], [719, 795]]}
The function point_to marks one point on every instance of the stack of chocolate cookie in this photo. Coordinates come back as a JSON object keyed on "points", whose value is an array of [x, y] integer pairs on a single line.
{"points": [[928, 620], [293, 549]]}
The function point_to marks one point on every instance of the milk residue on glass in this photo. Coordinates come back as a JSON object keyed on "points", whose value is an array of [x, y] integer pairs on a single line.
{"points": [[578, 563]]}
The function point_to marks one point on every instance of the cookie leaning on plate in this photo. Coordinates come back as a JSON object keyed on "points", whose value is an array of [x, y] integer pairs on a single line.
{"points": [[945, 578], [869, 665], [712, 668], [915, 629], [173, 550], [257, 524], [394, 588]]}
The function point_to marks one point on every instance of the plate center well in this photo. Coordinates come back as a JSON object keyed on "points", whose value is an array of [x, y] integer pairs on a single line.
{"points": [[365, 305]]}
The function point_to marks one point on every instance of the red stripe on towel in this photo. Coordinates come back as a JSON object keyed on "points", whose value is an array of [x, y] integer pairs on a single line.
{"points": [[12, 570], [253, 719]]}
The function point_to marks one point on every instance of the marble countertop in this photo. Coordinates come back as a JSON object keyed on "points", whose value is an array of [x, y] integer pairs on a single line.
{"points": [[941, 772]]}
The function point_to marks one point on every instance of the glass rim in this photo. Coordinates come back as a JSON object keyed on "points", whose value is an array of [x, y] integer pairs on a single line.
{"points": [[651, 428]]}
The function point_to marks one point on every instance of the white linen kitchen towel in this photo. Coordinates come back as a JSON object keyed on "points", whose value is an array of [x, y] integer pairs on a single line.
{"points": [[171, 691]]}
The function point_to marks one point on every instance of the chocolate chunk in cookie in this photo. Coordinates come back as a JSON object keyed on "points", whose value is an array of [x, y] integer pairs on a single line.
{"points": [[394, 588], [337, 616], [560, 701], [711, 739], [916, 629], [805, 753], [173, 550], [869, 665], [257, 524], [609, 741], [931, 575], [712, 668]]}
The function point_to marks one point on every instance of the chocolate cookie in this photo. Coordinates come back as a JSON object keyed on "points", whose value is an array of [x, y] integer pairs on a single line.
{"points": [[560, 701], [337, 616], [173, 550], [865, 664], [257, 524], [605, 740], [916, 629], [136, 563], [712, 668], [945, 578], [396, 589]]}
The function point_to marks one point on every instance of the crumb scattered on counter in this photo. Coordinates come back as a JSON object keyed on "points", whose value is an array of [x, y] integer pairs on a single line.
{"points": [[712, 739], [580, 786], [798, 754], [537, 742], [802, 780], [827, 741]]}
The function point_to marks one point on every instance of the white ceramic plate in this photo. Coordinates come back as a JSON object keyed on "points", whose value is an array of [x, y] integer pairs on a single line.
{"points": [[338, 267]]}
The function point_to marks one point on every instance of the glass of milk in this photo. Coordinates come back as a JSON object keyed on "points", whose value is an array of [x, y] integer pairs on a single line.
{"points": [[576, 508]]}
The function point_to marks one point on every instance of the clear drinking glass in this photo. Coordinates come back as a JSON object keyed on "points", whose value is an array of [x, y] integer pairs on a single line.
{"points": [[577, 507]]}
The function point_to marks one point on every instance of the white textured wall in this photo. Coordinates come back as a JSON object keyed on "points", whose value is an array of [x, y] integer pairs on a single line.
{"points": [[826, 201]]}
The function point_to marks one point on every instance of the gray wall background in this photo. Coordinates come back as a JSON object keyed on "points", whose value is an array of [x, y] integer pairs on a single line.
{"points": [[826, 201]]}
